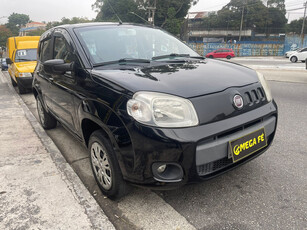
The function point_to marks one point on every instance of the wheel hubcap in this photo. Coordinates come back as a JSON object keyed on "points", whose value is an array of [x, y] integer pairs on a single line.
{"points": [[101, 166], [40, 111]]}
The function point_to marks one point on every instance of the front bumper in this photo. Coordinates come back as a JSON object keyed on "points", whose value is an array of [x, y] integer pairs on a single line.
{"points": [[25, 82], [201, 151]]}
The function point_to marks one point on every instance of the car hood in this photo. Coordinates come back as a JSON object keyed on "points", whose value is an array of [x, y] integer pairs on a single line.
{"points": [[185, 79], [24, 67]]}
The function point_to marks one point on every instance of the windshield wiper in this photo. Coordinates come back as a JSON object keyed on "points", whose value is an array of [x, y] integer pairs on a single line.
{"points": [[170, 56], [176, 55], [123, 61]]}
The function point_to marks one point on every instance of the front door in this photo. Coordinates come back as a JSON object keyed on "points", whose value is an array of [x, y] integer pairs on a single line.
{"points": [[61, 100]]}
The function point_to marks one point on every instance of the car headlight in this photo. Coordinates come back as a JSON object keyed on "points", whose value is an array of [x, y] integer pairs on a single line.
{"points": [[162, 110], [265, 86], [24, 74]]}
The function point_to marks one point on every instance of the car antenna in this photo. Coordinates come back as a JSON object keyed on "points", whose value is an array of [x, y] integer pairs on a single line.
{"points": [[120, 21]]}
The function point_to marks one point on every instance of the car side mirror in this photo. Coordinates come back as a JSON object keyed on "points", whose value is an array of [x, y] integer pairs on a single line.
{"points": [[57, 66], [9, 61]]}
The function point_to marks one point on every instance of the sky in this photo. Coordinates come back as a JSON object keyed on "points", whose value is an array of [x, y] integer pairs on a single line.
{"points": [[55, 10]]}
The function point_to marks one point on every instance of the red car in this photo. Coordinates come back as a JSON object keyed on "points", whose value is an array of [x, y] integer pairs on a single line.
{"points": [[221, 53]]}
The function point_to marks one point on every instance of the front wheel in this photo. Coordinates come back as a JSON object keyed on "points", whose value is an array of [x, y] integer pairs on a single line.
{"points": [[21, 89], [45, 118], [228, 57], [293, 59], [105, 167], [14, 84]]}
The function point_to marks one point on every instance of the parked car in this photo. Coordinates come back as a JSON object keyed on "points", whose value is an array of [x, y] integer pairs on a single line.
{"points": [[3, 64], [300, 55], [150, 110], [21, 57], [290, 52], [221, 53]]}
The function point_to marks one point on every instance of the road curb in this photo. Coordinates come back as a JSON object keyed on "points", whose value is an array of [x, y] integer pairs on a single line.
{"points": [[95, 214]]}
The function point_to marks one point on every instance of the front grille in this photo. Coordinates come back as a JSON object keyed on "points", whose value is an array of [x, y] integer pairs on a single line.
{"points": [[211, 167], [254, 96]]}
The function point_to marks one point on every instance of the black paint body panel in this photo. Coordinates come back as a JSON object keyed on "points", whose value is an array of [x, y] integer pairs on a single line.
{"points": [[89, 96]]}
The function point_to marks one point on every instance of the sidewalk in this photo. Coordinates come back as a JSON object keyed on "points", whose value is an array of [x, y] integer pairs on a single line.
{"points": [[38, 189]]}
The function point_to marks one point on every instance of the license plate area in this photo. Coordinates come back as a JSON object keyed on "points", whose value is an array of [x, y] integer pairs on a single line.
{"points": [[247, 145]]}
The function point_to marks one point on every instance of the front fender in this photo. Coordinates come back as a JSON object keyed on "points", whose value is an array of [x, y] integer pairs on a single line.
{"points": [[94, 115]]}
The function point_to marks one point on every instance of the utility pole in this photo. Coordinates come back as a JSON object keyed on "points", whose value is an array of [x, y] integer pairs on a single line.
{"points": [[303, 26], [151, 13], [241, 23]]}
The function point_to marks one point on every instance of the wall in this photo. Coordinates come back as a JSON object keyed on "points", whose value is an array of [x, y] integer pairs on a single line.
{"points": [[253, 48], [243, 49], [294, 41]]}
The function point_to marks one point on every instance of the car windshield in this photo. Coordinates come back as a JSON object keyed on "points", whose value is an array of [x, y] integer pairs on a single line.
{"points": [[25, 55], [108, 43]]}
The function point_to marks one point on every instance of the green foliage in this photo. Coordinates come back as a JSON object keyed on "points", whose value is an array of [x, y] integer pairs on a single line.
{"points": [[5, 33], [124, 9], [35, 33], [296, 26], [279, 4], [15, 21], [257, 16], [64, 21], [169, 14]]}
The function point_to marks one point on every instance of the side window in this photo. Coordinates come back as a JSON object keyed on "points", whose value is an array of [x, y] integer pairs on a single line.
{"points": [[61, 50], [45, 50]]}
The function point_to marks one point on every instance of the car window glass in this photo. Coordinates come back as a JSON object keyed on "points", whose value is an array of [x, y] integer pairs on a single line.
{"points": [[110, 44], [61, 50], [26, 55], [45, 51]]}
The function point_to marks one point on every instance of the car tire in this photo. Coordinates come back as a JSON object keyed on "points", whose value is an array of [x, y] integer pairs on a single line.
{"points": [[105, 167], [21, 89], [228, 57], [211, 56], [14, 84], [46, 119], [293, 59]]}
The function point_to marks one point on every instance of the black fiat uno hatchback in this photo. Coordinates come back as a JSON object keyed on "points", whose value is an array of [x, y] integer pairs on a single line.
{"points": [[151, 111]]}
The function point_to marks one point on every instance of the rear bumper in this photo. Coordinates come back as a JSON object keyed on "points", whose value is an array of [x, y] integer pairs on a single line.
{"points": [[202, 151]]}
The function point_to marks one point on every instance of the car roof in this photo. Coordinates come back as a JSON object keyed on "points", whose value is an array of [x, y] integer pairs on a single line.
{"points": [[70, 27], [90, 24]]}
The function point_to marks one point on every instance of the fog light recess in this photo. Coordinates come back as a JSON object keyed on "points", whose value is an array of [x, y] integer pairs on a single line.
{"points": [[167, 172]]}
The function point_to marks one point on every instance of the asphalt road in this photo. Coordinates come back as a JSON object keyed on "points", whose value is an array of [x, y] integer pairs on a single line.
{"points": [[268, 62], [268, 193]]}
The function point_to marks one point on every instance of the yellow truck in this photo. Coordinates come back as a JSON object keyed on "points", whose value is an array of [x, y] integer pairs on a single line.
{"points": [[21, 58]]}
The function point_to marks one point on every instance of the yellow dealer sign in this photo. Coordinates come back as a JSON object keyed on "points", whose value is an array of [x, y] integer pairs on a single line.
{"points": [[247, 145]]}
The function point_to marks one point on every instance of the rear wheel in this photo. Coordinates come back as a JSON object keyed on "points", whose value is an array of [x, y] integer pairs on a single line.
{"points": [[45, 118], [293, 59], [105, 167]]}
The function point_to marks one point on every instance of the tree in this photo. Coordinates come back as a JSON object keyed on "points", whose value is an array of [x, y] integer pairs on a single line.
{"points": [[15, 21], [126, 10], [256, 16], [64, 21], [5, 33], [295, 26], [279, 4], [169, 14]]}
